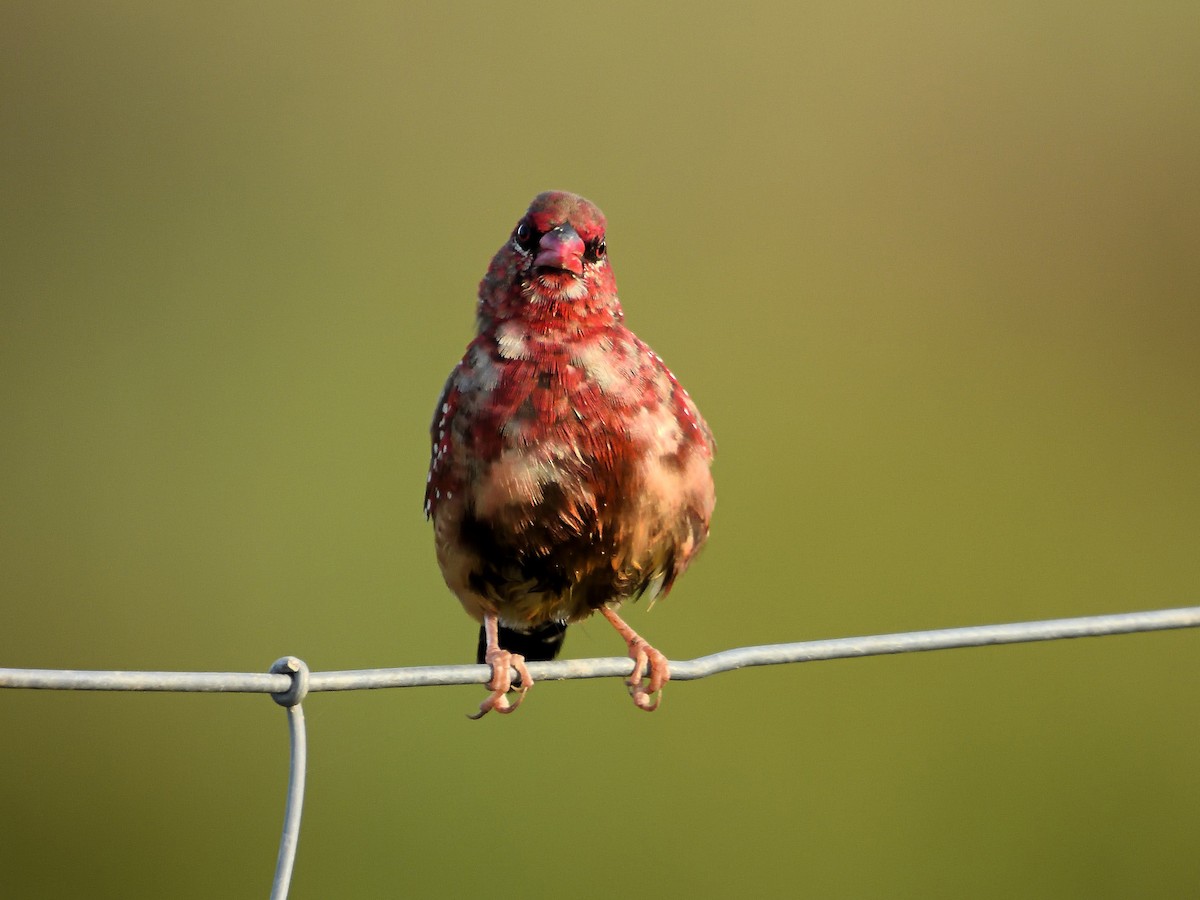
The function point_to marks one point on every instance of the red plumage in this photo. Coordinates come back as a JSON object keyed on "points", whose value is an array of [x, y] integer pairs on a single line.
{"points": [[570, 470]]}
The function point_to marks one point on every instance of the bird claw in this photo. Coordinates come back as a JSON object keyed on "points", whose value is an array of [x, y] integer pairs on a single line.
{"points": [[502, 663], [647, 662]]}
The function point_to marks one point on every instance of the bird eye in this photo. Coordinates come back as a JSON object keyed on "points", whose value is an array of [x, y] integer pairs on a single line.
{"points": [[524, 235], [597, 250]]}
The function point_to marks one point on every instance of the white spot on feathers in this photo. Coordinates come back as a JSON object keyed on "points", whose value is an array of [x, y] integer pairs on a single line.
{"points": [[510, 340]]}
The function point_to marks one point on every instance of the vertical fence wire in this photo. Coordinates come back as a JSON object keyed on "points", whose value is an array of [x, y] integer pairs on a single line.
{"points": [[297, 769]]}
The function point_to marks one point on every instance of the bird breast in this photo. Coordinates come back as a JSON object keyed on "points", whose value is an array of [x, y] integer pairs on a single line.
{"points": [[585, 477]]}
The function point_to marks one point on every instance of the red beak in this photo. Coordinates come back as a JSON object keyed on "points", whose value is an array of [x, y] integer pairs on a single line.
{"points": [[561, 248]]}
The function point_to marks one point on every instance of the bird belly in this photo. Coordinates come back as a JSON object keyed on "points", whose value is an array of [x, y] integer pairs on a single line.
{"points": [[560, 550]]}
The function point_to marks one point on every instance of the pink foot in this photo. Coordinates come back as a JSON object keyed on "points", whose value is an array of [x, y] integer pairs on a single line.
{"points": [[502, 663], [647, 662]]}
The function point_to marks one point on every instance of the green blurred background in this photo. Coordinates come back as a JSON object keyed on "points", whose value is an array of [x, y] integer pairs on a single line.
{"points": [[932, 272]]}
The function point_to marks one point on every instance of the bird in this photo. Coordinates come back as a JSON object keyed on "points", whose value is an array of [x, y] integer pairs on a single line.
{"points": [[570, 471]]}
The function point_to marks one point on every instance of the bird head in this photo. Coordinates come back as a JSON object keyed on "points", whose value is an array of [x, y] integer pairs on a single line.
{"points": [[553, 268]]}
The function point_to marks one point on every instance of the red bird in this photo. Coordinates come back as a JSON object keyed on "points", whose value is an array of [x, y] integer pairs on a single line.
{"points": [[570, 470]]}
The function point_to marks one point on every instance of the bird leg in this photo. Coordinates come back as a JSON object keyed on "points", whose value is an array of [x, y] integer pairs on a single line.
{"points": [[502, 662], [646, 662]]}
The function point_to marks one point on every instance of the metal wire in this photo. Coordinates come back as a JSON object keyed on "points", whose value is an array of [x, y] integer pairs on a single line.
{"points": [[290, 699], [289, 680], [609, 667], [298, 764]]}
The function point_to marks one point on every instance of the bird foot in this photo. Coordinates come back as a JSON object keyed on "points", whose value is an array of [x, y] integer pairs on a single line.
{"points": [[647, 662], [502, 663]]}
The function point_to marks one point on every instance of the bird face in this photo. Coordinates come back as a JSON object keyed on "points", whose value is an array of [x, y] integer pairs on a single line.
{"points": [[556, 264]]}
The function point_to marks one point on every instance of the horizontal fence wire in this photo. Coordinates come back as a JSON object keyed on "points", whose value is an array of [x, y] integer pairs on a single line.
{"points": [[289, 680], [609, 667]]}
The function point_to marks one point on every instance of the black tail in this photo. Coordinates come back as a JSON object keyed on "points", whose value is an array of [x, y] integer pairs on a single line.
{"points": [[540, 643]]}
